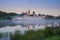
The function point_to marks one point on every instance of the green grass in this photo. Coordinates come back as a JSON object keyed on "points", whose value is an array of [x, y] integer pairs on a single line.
{"points": [[53, 38], [3, 18], [47, 34]]}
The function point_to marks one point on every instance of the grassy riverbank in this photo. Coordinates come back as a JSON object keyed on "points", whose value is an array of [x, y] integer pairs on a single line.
{"points": [[4, 18], [47, 34]]}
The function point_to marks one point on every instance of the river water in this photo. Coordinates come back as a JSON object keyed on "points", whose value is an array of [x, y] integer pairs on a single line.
{"points": [[10, 26], [7, 26]]}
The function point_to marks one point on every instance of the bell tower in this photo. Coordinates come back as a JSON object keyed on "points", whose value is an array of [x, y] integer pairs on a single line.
{"points": [[28, 12]]}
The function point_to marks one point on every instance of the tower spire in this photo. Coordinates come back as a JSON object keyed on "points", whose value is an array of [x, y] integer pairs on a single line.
{"points": [[28, 12]]}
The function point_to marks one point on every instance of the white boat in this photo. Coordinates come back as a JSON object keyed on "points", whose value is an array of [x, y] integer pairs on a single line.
{"points": [[26, 17], [27, 20]]}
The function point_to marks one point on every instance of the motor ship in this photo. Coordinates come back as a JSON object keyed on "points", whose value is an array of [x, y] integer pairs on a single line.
{"points": [[27, 20]]}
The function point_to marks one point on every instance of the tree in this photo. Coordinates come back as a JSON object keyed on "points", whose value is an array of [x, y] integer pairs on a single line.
{"points": [[39, 14]]}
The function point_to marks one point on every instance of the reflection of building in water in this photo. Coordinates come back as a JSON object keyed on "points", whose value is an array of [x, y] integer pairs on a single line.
{"points": [[28, 26], [33, 26], [39, 25]]}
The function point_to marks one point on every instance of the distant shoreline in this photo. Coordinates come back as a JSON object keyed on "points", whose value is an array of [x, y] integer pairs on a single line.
{"points": [[4, 15]]}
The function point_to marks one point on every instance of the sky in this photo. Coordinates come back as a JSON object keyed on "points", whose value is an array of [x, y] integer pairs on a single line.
{"points": [[50, 7]]}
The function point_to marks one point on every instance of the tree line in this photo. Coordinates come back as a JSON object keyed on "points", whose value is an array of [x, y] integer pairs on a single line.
{"points": [[5, 15]]}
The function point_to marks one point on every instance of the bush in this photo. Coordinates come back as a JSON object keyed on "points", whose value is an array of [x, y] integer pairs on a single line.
{"points": [[47, 34], [18, 36], [53, 38]]}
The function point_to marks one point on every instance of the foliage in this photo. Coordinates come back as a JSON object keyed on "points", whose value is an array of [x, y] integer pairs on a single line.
{"points": [[47, 34], [1, 35], [4, 15], [53, 38]]}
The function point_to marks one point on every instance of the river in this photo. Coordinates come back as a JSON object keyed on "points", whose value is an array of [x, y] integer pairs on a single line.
{"points": [[10, 26]]}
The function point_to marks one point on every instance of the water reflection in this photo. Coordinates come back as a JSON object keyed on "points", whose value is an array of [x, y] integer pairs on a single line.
{"points": [[4, 23], [9, 26]]}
